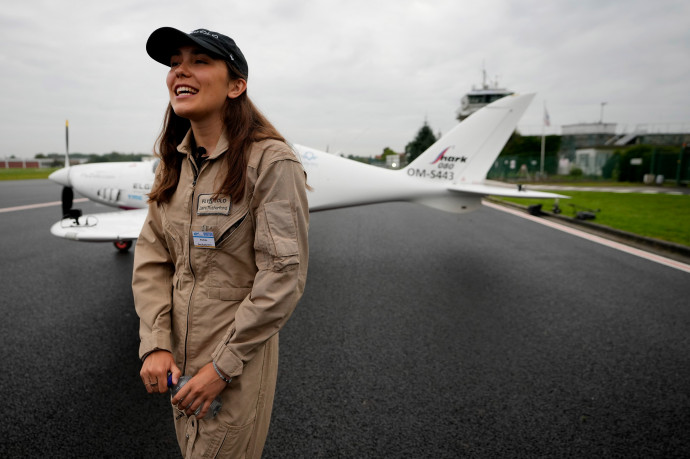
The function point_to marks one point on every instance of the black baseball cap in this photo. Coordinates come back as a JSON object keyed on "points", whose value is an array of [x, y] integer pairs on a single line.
{"points": [[165, 41]]}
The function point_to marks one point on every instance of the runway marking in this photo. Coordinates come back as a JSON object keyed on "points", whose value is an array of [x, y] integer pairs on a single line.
{"points": [[37, 206], [609, 189], [591, 237]]}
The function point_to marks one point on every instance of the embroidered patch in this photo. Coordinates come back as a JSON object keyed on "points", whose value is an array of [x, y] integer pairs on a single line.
{"points": [[209, 206]]}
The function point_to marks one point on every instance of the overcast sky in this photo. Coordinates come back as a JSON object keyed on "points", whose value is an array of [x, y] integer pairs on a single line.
{"points": [[350, 76]]}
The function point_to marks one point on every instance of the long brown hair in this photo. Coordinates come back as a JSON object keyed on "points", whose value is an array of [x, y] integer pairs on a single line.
{"points": [[244, 125]]}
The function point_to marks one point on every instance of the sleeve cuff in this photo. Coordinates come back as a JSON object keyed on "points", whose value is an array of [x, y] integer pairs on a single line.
{"points": [[154, 342], [227, 361]]}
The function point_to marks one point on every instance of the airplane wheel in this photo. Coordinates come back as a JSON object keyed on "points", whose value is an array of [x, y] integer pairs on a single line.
{"points": [[123, 246]]}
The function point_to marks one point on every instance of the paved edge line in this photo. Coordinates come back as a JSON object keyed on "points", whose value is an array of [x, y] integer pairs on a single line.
{"points": [[591, 237], [38, 206]]}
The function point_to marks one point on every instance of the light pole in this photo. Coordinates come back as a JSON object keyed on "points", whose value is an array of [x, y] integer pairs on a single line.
{"points": [[601, 118]]}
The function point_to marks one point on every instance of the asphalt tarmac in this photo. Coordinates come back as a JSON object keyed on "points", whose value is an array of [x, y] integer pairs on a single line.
{"points": [[421, 334]]}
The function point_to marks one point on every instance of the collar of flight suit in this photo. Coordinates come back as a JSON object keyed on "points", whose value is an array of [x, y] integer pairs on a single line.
{"points": [[185, 147]]}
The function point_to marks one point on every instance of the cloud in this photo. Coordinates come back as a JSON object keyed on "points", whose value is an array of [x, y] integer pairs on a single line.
{"points": [[352, 76]]}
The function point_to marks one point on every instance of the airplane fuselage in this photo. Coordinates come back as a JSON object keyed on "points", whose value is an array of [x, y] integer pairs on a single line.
{"points": [[339, 182], [122, 184], [125, 185]]}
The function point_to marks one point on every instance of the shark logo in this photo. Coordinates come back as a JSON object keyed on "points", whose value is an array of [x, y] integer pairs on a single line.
{"points": [[448, 159], [440, 156]]}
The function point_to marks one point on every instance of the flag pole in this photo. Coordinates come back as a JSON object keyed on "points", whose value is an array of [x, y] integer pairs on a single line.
{"points": [[543, 141], [541, 166]]}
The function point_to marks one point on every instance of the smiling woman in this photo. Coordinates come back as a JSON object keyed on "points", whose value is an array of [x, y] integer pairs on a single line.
{"points": [[221, 261], [199, 86]]}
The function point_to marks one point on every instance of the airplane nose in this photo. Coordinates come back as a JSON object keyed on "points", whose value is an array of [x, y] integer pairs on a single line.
{"points": [[60, 176]]}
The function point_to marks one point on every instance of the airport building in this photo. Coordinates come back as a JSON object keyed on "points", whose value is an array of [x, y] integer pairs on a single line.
{"points": [[21, 163], [588, 146], [37, 163], [663, 154]]}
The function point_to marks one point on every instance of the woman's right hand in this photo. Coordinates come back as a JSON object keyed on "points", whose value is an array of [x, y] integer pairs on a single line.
{"points": [[155, 369]]}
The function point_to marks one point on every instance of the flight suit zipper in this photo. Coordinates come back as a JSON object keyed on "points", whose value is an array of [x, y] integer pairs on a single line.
{"points": [[196, 173]]}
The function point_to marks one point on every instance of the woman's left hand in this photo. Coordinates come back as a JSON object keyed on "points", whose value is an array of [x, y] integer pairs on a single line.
{"points": [[199, 391]]}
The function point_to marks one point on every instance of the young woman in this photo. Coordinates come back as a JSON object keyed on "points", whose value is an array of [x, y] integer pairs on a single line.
{"points": [[222, 258]]}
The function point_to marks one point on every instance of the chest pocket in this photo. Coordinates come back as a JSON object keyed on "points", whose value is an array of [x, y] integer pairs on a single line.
{"points": [[227, 229], [230, 264]]}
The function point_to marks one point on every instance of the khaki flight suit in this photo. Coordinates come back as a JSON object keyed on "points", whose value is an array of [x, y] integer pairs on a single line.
{"points": [[225, 303]]}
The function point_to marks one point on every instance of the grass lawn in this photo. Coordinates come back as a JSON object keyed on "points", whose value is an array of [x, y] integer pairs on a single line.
{"points": [[582, 183], [24, 174], [661, 216]]}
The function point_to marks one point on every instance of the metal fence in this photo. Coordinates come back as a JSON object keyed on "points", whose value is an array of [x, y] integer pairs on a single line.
{"points": [[522, 168]]}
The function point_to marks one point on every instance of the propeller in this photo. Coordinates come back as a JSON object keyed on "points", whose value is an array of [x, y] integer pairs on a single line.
{"points": [[67, 192]]}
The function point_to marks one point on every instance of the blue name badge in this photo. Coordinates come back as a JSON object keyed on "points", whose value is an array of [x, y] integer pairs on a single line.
{"points": [[203, 239]]}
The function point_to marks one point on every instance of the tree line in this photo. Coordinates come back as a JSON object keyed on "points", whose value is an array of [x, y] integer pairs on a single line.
{"points": [[93, 157]]}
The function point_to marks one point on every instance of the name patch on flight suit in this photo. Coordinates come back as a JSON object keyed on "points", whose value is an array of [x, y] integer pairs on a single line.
{"points": [[207, 205]]}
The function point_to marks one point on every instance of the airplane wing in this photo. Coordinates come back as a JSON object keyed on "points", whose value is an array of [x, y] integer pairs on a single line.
{"points": [[508, 192], [124, 225]]}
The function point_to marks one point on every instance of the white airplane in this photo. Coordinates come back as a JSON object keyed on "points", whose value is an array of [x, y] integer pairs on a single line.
{"points": [[449, 175]]}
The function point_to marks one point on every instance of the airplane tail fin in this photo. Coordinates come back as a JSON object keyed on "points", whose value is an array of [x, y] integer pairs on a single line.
{"points": [[465, 154]]}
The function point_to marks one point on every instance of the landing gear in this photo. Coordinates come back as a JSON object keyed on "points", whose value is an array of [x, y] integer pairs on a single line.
{"points": [[123, 246]]}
